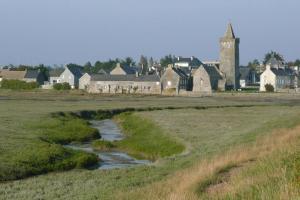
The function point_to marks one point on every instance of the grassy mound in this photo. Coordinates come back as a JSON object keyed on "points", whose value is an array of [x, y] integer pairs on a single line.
{"points": [[66, 129], [41, 158], [145, 139]]}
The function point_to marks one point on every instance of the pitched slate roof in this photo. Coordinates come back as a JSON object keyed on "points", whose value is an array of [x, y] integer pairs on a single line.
{"points": [[32, 74], [75, 70], [282, 72], [130, 77], [212, 71], [56, 72], [180, 72]]}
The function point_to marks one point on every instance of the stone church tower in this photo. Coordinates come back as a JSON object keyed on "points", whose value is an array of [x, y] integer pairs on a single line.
{"points": [[229, 58]]}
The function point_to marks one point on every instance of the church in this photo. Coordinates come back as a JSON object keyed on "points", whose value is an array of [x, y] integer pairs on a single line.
{"points": [[209, 76]]}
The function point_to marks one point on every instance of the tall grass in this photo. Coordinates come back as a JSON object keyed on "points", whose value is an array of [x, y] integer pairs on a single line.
{"points": [[145, 139]]}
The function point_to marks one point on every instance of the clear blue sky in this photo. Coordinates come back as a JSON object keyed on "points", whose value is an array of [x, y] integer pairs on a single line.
{"points": [[63, 31]]}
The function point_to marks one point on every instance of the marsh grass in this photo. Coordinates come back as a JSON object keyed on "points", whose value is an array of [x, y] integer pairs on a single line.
{"points": [[207, 133], [65, 129], [101, 145], [144, 139], [45, 153]]}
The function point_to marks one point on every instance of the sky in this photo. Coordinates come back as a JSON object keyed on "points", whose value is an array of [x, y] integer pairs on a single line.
{"points": [[77, 31]]}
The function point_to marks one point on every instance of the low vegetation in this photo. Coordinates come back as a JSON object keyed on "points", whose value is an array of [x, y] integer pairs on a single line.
{"points": [[18, 85], [62, 86], [220, 135], [65, 129], [145, 139], [45, 154], [269, 88], [101, 145]]}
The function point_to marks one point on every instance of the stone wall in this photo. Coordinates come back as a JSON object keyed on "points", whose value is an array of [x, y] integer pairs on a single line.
{"points": [[124, 87]]}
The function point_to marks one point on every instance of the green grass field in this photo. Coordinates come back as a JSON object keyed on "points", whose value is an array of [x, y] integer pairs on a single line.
{"points": [[205, 134]]}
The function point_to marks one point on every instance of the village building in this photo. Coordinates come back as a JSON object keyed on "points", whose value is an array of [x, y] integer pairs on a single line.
{"points": [[71, 74], [124, 70], [85, 80], [25, 75], [122, 84], [54, 75], [174, 80], [207, 79], [280, 78]]}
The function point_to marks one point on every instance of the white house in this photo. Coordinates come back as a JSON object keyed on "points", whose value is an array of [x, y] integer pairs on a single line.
{"points": [[71, 74], [279, 78]]}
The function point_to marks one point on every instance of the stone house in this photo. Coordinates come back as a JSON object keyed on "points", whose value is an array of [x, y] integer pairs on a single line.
{"points": [[70, 74], [279, 78], [124, 70], [122, 84], [174, 79], [207, 79], [26, 75], [85, 80]]}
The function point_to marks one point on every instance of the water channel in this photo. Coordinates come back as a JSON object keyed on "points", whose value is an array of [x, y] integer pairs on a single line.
{"points": [[111, 159]]}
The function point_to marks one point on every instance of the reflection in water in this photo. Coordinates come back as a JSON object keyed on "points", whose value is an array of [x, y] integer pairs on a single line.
{"points": [[111, 159]]}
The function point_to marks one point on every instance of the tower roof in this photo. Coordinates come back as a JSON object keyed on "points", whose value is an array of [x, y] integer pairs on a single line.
{"points": [[229, 33]]}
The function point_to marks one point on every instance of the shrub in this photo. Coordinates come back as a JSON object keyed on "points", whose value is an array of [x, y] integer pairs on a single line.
{"points": [[269, 88], [18, 85], [62, 86]]}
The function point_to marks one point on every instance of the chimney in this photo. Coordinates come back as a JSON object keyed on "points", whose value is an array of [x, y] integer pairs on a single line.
{"points": [[192, 58]]}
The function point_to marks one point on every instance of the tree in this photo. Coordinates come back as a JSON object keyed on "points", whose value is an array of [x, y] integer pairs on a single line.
{"points": [[254, 64], [87, 67], [144, 64], [165, 61], [274, 54], [128, 61], [151, 62]]}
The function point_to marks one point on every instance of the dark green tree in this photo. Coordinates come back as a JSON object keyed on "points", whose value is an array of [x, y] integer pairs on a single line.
{"points": [[274, 54], [88, 67], [128, 61], [168, 59], [254, 64]]}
